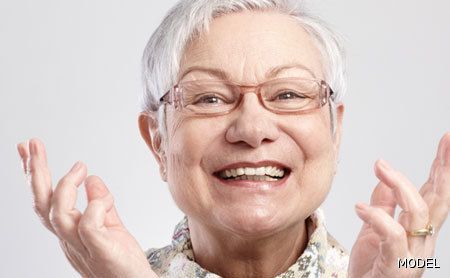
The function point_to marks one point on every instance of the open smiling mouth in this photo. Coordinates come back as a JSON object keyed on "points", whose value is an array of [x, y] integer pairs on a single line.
{"points": [[268, 173]]}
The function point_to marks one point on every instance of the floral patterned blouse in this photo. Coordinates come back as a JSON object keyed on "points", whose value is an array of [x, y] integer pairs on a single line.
{"points": [[322, 257]]}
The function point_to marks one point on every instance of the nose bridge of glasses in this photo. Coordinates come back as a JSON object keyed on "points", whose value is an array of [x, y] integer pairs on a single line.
{"points": [[248, 89], [245, 89]]}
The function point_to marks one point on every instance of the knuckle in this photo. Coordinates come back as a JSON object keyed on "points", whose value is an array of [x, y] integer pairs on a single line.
{"points": [[85, 228], [96, 205], [87, 225], [421, 209], [40, 209], [378, 211], [65, 180], [56, 219], [397, 233]]}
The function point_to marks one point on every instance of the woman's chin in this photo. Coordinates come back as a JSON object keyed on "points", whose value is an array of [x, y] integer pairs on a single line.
{"points": [[258, 222]]}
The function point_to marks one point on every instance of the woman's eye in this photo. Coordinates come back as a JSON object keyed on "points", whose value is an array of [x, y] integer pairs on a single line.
{"points": [[209, 99], [288, 95]]}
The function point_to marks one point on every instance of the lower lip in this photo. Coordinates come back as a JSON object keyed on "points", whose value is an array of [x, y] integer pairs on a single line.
{"points": [[251, 184]]}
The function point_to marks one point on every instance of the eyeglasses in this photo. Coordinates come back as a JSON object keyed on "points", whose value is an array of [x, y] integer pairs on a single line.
{"points": [[219, 97]]}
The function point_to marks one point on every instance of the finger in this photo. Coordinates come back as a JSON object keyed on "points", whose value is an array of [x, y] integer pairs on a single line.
{"points": [[96, 188], [442, 176], [91, 228], [383, 197], [64, 217], [40, 180], [415, 211], [24, 154], [393, 240], [438, 191], [428, 190]]}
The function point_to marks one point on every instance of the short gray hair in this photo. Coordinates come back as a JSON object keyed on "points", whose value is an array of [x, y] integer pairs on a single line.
{"points": [[188, 18]]}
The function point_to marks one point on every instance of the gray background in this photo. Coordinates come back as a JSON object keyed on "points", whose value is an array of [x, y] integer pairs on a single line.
{"points": [[69, 74]]}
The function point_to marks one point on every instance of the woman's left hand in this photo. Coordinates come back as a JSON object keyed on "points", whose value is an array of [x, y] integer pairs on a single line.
{"points": [[95, 242], [383, 240]]}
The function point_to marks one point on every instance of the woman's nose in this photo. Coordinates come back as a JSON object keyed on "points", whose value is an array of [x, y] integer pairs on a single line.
{"points": [[253, 124]]}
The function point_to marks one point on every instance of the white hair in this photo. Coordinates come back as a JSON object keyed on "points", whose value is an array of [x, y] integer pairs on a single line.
{"points": [[188, 18]]}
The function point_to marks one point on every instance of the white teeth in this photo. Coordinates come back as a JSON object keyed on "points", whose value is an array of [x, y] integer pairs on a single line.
{"points": [[255, 178], [233, 172], [249, 172], [261, 171]]}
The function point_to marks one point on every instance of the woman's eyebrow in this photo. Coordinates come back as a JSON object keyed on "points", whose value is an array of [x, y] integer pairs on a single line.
{"points": [[225, 76], [216, 72], [279, 69]]}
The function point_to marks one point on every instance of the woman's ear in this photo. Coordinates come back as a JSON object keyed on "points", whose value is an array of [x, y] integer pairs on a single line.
{"points": [[340, 108], [148, 126]]}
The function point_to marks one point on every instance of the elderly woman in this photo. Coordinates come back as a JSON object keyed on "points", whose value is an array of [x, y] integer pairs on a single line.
{"points": [[243, 112]]}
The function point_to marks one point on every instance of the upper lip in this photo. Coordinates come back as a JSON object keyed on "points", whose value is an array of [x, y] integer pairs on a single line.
{"points": [[242, 164]]}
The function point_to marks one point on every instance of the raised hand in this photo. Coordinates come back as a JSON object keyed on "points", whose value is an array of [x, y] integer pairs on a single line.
{"points": [[383, 240], [95, 242]]}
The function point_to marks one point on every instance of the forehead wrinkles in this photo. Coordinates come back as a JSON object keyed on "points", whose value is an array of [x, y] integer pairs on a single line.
{"points": [[248, 52], [247, 71]]}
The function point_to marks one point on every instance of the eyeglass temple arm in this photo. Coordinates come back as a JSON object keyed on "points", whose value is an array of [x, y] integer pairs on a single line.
{"points": [[164, 98]]}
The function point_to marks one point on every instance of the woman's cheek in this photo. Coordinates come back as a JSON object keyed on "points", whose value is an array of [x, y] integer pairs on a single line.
{"points": [[313, 136], [187, 181], [187, 191], [311, 133]]}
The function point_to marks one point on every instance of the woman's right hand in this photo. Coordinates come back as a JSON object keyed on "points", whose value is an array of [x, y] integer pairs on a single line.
{"points": [[95, 242]]}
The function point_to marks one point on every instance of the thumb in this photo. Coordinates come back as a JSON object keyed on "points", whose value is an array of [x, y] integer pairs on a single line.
{"points": [[96, 189]]}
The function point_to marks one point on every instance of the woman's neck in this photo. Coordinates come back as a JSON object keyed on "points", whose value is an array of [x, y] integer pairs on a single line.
{"points": [[229, 255]]}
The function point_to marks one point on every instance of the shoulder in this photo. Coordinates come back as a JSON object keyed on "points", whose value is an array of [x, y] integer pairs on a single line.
{"points": [[337, 258], [175, 259], [159, 258], [334, 257]]}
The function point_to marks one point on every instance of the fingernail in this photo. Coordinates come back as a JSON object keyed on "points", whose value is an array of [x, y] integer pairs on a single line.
{"points": [[361, 207], [76, 167], [362, 210], [383, 164]]}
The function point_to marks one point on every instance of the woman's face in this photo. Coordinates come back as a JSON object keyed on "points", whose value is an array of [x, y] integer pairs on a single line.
{"points": [[247, 46]]}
